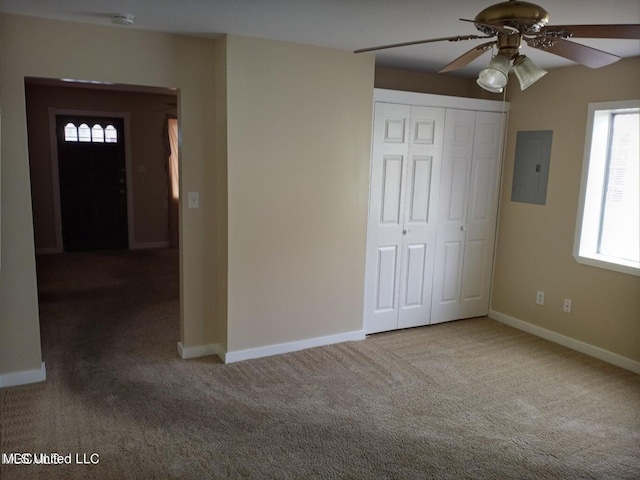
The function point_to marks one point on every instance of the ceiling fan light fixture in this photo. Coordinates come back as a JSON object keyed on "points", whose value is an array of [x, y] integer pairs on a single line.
{"points": [[513, 22], [489, 89], [495, 76], [527, 71]]}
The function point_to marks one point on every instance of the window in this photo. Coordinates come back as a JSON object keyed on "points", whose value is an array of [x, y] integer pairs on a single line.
{"points": [[84, 133], [70, 133], [110, 134], [608, 226], [95, 134]]}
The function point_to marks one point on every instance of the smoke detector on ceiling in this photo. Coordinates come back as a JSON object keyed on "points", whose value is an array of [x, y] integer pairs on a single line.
{"points": [[122, 19]]}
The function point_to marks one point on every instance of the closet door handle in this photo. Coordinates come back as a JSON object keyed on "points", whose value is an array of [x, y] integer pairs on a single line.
{"points": [[463, 228], [406, 231]]}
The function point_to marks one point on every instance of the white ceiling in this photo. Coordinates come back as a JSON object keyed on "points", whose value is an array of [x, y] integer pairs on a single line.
{"points": [[343, 24]]}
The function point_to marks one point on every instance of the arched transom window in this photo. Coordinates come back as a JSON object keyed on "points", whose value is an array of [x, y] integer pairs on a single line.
{"points": [[95, 134]]}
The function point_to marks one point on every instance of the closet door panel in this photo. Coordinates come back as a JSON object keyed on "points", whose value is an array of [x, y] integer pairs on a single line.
{"points": [[419, 232], [414, 272], [473, 278], [482, 215], [391, 190], [450, 274], [385, 240], [452, 212], [385, 277], [420, 189], [456, 192]]}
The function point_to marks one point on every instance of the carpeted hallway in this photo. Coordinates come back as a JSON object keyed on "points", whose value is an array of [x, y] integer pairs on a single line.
{"points": [[467, 399]]}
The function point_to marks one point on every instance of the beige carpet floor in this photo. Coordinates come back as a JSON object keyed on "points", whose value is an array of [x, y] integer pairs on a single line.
{"points": [[467, 399]]}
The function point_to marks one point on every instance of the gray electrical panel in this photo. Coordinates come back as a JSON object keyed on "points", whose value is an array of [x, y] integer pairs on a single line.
{"points": [[531, 167]]}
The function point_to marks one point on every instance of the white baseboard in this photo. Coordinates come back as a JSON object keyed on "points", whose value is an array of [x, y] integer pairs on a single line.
{"points": [[47, 250], [23, 378], [142, 246], [279, 348], [199, 351], [569, 342]]}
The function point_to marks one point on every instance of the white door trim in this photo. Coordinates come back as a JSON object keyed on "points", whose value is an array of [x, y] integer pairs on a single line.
{"points": [[53, 142]]}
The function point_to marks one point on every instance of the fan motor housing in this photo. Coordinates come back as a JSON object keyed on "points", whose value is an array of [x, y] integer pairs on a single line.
{"points": [[509, 45], [527, 17]]}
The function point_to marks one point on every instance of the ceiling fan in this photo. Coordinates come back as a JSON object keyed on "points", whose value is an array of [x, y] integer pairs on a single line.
{"points": [[513, 22]]}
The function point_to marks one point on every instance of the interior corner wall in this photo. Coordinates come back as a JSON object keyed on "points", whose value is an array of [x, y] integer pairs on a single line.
{"points": [[535, 242], [299, 132], [34, 47], [220, 226]]}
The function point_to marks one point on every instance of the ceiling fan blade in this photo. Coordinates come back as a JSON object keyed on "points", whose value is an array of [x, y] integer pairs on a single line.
{"points": [[587, 56], [468, 57], [418, 42], [628, 31]]}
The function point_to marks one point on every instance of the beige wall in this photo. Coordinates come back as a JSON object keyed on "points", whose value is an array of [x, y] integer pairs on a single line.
{"points": [[299, 125], [434, 83], [53, 49], [148, 148], [535, 241]]}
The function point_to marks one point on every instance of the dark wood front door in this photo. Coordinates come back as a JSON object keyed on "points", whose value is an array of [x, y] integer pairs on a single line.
{"points": [[93, 183]]}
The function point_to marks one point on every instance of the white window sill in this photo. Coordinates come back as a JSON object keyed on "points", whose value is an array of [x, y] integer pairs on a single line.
{"points": [[610, 263]]}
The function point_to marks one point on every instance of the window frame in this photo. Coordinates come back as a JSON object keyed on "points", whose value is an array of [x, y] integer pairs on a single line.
{"points": [[585, 250]]}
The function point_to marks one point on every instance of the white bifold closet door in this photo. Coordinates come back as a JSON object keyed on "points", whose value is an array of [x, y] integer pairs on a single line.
{"points": [[467, 210], [405, 172]]}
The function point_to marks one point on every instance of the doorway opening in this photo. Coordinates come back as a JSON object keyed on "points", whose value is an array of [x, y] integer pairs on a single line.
{"points": [[107, 270]]}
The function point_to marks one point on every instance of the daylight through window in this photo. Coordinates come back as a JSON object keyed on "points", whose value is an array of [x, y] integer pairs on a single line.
{"points": [[110, 134], [95, 134], [84, 133], [608, 227], [70, 133]]}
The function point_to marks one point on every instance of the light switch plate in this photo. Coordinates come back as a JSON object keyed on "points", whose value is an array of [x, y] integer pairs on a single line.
{"points": [[194, 199]]}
